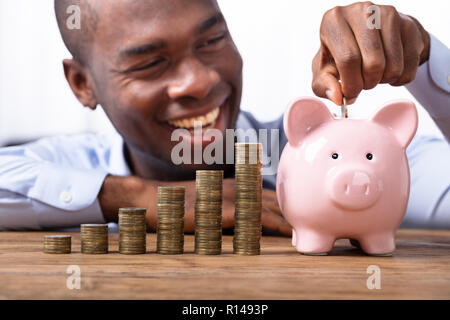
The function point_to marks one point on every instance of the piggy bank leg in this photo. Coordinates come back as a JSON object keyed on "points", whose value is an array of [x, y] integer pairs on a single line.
{"points": [[313, 243], [378, 244], [294, 238]]}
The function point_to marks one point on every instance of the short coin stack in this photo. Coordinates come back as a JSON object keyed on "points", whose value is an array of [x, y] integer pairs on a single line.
{"points": [[132, 230], [57, 244], [208, 212], [94, 238], [248, 193], [170, 235]]}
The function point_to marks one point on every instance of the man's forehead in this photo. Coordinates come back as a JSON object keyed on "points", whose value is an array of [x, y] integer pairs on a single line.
{"points": [[124, 15], [124, 24]]}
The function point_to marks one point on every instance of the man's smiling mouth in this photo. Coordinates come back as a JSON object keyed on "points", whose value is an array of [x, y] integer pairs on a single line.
{"points": [[204, 120]]}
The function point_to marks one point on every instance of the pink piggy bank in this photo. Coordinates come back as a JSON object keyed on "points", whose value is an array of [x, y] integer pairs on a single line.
{"points": [[345, 178]]}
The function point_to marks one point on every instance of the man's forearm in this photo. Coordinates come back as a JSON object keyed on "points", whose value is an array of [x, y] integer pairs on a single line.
{"points": [[119, 192]]}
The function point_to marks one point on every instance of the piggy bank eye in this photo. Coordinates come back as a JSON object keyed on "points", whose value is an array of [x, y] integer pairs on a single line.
{"points": [[369, 156], [335, 156]]}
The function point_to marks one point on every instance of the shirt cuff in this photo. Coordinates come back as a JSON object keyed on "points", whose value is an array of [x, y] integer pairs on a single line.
{"points": [[50, 217], [67, 188]]}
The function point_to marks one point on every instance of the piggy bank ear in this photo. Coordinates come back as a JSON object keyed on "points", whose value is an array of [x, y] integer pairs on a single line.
{"points": [[401, 118], [302, 116]]}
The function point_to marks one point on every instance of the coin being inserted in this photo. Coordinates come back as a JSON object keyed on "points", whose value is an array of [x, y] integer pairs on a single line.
{"points": [[344, 109]]}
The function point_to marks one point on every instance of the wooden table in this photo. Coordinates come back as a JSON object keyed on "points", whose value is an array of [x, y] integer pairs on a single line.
{"points": [[419, 269]]}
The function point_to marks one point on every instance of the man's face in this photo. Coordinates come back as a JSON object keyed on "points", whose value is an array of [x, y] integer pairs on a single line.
{"points": [[160, 65]]}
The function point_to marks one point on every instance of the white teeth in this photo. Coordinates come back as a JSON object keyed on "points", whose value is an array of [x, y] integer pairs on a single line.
{"points": [[205, 120]]}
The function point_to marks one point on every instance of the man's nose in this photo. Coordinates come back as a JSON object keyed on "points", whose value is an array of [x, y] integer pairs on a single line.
{"points": [[194, 80]]}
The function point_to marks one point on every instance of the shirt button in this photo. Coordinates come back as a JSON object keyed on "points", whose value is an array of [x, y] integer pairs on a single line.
{"points": [[65, 196]]}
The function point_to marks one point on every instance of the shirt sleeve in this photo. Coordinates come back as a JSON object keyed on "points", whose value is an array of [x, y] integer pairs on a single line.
{"points": [[52, 182], [431, 87], [18, 212], [429, 200]]}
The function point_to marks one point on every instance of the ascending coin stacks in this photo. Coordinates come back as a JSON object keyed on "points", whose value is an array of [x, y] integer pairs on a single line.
{"points": [[170, 215]]}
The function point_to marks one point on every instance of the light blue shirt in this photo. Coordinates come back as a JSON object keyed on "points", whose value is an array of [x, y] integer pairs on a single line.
{"points": [[54, 182]]}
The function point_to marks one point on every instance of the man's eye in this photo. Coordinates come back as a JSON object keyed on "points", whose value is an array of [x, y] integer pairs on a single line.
{"points": [[152, 64], [212, 41], [215, 40]]}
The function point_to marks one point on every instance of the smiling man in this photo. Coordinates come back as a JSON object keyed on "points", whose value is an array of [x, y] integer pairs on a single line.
{"points": [[159, 66], [173, 64]]}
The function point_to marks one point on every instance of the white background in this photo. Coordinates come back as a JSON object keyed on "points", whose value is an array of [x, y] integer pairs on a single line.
{"points": [[277, 39]]}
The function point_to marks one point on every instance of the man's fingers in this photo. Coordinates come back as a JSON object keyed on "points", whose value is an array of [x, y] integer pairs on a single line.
{"points": [[370, 46], [392, 44], [340, 41], [325, 82], [274, 222], [412, 49], [327, 86]]}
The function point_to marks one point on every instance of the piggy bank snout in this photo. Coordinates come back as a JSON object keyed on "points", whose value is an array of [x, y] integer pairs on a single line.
{"points": [[354, 189]]}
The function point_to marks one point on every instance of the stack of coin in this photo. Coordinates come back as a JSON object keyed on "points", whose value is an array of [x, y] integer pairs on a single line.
{"points": [[94, 238], [132, 230], [248, 193], [170, 235], [58, 244], [208, 212]]}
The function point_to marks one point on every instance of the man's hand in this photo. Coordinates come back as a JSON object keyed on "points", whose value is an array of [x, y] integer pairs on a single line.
{"points": [[136, 192], [362, 57]]}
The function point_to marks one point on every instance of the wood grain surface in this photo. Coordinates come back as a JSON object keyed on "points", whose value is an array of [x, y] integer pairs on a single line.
{"points": [[419, 269]]}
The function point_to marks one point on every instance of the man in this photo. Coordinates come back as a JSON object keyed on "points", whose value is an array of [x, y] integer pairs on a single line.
{"points": [[157, 66]]}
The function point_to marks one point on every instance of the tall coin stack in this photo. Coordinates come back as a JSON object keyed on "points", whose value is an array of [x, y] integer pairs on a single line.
{"points": [[58, 244], [132, 230], [208, 212], [248, 193], [94, 238], [170, 236]]}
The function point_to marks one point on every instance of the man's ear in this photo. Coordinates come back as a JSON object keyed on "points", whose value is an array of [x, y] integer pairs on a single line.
{"points": [[302, 116], [401, 118], [80, 82]]}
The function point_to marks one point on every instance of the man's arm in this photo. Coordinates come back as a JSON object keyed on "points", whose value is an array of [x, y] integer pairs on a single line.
{"points": [[66, 181], [18, 212], [133, 191], [429, 158], [52, 182]]}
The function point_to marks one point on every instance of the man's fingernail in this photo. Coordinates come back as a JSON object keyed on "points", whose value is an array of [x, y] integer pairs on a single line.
{"points": [[329, 94]]}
